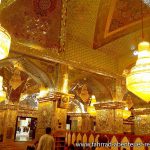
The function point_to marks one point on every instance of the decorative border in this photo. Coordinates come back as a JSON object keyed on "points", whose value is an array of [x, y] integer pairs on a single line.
{"points": [[110, 105], [63, 26]]}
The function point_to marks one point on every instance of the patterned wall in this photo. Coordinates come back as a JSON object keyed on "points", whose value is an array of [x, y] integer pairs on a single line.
{"points": [[47, 116], [10, 123], [45, 113], [109, 121], [1, 122], [142, 124], [60, 119]]}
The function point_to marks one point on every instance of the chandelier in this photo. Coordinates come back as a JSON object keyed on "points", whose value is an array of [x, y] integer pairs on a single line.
{"points": [[138, 81], [5, 41], [2, 93]]}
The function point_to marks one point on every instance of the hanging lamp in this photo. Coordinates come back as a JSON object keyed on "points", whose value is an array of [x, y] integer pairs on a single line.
{"points": [[138, 80]]}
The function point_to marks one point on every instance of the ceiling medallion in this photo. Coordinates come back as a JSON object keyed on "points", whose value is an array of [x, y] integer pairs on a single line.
{"points": [[43, 7]]}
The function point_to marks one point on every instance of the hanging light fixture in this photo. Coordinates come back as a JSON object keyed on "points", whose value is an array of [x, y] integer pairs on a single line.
{"points": [[5, 41], [138, 81], [91, 109], [2, 93]]}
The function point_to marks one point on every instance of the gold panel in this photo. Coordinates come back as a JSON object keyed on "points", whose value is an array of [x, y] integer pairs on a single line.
{"points": [[45, 115], [141, 124], [109, 121]]}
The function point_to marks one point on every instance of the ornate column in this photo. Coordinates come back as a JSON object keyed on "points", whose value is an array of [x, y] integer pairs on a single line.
{"points": [[142, 121], [81, 122], [109, 118], [46, 111], [10, 116], [62, 79], [2, 113], [62, 97], [76, 122], [86, 123]]}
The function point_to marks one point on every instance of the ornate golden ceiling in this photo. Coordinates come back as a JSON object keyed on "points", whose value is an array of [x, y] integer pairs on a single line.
{"points": [[122, 17], [39, 27], [33, 22]]}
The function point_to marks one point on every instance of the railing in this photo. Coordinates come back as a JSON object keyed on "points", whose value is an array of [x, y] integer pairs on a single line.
{"points": [[116, 141]]}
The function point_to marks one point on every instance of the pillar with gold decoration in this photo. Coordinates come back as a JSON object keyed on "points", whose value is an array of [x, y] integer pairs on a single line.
{"points": [[62, 97], [109, 118], [141, 121]]}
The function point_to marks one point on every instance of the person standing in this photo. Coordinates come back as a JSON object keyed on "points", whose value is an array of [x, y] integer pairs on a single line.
{"points": [[46, 141]]}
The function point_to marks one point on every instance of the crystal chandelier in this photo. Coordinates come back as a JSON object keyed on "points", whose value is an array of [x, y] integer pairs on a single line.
{"points": [[5, 41], [138, 81]]}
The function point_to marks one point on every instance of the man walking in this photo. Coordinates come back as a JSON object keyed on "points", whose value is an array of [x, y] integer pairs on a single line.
{"points": [[46, 141]]}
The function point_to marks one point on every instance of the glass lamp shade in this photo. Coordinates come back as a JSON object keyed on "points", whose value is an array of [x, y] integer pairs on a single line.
{"points": [[138, 81], [5, 41]]}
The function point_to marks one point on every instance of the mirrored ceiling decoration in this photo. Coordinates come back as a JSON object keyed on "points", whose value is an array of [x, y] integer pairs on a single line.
{"points": [[84, 88], [83, 85], [21, 82], [30, 101], [124, 13], [134, 102], [6, 3], [38, 24]]}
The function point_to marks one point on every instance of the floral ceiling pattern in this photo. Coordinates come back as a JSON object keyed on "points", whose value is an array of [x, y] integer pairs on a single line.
{"points": [[36, 22], [127, 12]]}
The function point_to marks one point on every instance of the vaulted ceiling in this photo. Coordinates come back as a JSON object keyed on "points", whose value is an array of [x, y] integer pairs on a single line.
{"points": [[109, 26]]}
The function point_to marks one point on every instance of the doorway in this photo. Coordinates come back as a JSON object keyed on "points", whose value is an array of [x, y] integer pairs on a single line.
{"points": [[25, 128]]}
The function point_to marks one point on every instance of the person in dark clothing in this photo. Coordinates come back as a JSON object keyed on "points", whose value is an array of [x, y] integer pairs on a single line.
{"points": [[30, 148], [71, 147]]}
